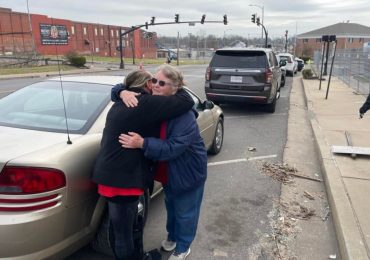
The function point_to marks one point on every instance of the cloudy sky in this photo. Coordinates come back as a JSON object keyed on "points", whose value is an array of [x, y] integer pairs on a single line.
{"points": [[296, 16]]}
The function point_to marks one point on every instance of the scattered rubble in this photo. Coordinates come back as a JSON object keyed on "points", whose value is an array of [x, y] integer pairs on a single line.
{"points": [[308, 195], [296, 210]]}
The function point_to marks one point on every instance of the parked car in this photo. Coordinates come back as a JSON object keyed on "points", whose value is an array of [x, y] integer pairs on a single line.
{"points": [[248, 75], [300, 64], [291, 65], [49, 208]]}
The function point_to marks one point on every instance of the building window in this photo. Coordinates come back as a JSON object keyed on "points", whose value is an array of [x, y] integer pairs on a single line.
{"points": [[318, 39], [111, 32], [360, 39], [350, 39], [101, 31], [117, 42], [117, 33], [96, 31], [305, 40], [72, 29], [85, 32]]}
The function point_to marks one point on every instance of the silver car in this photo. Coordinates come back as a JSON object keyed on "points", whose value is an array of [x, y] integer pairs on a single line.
{"points": [[49, 208]]}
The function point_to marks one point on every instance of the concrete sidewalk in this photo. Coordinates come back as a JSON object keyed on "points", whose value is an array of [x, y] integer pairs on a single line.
{"points": [[347, 180]]}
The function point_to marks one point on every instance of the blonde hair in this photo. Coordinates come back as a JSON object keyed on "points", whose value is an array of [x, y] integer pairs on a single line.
{"points": [[173, 74], [137, 79]]}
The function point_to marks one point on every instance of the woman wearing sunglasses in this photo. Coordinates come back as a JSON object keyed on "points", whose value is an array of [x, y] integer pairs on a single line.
{"points": [[122, 175], [182, 167]]}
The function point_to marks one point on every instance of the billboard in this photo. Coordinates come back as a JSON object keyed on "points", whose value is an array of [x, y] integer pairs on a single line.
{"points": [[52, 34]]}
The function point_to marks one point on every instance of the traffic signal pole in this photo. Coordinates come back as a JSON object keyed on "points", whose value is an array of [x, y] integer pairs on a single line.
{"points": [[146, 25]]}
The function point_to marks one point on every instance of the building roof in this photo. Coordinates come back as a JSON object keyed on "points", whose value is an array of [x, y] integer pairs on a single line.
{"points": [[341, 30]]}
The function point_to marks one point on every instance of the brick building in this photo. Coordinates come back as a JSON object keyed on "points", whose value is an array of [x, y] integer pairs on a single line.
{"points": [[53, 36], [349, 36]]}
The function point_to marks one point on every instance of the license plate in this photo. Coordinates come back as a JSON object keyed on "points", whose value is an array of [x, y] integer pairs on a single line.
{"points": [[236, 79]]}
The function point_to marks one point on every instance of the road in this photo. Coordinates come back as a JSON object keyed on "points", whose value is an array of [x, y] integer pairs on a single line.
{"points": [[238, 207]]}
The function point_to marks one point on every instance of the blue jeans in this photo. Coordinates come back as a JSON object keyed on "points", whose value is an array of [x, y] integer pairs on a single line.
{"points": [[182, 216]]}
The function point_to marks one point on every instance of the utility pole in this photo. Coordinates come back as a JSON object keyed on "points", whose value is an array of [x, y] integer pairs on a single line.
{"points": [[286, 40], [178, 47], [31, 32]]}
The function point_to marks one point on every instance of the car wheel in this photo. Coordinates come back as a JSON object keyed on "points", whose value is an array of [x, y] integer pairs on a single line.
{"points": [[282, 83], [101, 242], [218, 138], [272, 106]]}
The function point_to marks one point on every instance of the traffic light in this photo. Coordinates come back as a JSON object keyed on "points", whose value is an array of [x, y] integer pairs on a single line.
{"points": [[203, 18], [225, 19], [258, 21], [153, 20], [253, 18], [146, 25], [286, 33], [176, 18]]}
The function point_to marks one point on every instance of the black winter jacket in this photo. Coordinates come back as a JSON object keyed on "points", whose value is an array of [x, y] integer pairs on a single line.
{"points": [[128, 168]]}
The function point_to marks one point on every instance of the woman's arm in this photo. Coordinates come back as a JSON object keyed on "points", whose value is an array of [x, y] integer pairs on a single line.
{"points": [[119, 92], [160, 108], [182, 135]]}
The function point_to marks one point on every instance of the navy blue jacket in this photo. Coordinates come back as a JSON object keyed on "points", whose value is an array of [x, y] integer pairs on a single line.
{"points": [[184, 151]]}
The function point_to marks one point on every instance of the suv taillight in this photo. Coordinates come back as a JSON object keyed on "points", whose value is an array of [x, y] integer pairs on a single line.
{"points": [[268, 76], [30, 180], [208, 73]]}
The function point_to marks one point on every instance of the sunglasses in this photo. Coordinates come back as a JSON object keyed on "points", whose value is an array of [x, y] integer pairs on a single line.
{"points": [[161, 83]]}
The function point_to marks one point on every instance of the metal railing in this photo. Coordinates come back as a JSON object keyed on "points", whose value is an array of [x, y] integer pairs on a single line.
{"points": [[351, 66]]}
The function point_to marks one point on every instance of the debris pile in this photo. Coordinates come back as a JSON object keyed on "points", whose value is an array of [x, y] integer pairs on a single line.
{"points": [[279, 172]]}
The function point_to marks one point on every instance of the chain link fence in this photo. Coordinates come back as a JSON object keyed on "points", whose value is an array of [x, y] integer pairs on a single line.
{"points": [[351, 66]]}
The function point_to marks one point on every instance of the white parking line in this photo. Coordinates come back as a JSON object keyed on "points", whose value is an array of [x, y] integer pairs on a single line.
{"points": [[275, 114], [242, 160]]}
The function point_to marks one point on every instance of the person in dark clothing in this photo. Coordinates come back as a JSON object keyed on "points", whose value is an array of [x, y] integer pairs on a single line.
{"points": [[182, 166], [123, 175], [365, 107]]}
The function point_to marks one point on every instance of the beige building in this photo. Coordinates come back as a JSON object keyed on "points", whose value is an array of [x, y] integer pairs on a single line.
{"points": [[349, 36]]}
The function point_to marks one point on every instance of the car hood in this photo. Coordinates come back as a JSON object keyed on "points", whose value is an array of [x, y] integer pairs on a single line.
{"points": [[16, 142]]}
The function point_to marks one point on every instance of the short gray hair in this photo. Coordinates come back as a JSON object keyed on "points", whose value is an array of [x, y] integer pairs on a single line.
{"points": [[173, 74]]}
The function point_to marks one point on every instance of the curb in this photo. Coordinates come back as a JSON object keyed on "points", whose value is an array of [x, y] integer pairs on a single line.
{"points": [[350, 240]]}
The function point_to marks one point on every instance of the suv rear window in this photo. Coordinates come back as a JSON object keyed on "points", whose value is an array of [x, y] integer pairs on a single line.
{"points": [[239, 59]]}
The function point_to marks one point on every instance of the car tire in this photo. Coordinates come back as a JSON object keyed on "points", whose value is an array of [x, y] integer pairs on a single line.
{"points": [[101, 242], [272, 106], [282, 83], [218, 138]]}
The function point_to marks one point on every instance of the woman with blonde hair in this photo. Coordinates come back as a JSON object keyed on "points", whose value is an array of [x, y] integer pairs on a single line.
{"points": [[123, 175]]}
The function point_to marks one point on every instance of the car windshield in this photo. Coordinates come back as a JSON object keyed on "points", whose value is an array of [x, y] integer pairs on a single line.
{"points": [[40, 106], [239, 59]]}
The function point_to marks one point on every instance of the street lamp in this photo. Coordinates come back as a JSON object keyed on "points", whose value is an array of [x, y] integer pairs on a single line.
{"points": [[263, 11]]}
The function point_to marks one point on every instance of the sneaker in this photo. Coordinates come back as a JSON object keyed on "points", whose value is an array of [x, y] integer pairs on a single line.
{"points": [[168, 245], [179, 256]]}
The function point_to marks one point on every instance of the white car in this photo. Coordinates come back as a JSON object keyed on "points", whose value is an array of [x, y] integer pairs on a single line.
{"points": [[291, 66]]}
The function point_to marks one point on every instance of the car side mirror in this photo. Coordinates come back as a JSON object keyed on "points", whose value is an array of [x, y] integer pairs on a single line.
{"points": [[208, 104], [282, 63]]}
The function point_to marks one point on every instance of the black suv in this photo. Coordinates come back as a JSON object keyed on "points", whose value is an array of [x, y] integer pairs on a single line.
{"points": [[244, 75]]}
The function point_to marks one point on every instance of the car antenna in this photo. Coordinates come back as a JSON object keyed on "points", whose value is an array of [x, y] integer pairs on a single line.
{"points": [[61, 87]]}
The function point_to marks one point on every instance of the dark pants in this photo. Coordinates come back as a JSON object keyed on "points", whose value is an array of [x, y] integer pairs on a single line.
{"points": [[123, 215], [182, 216]]}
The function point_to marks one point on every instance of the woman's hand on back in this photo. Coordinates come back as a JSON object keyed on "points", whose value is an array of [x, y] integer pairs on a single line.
{"points": [[129, 98], [131, 140]]}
